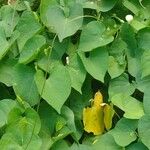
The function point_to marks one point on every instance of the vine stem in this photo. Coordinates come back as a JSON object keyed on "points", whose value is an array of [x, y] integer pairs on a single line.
{"points": [[51, 47], [38, 106], [84, 16], [117, 114], [13, 16]]}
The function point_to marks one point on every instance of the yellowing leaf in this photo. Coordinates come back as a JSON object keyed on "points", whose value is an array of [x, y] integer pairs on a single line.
{"points": [[99, 116], [93, 118], [108, 115], [98, 99]]}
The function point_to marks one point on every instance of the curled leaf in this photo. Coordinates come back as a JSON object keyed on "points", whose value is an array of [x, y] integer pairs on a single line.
{"points": [[98, 99], [108, 115]]}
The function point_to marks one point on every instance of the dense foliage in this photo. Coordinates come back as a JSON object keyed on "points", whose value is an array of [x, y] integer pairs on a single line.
{"points": [[55, 55]]}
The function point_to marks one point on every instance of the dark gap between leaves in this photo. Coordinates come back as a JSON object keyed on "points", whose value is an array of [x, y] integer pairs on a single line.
{"points": [[76, 37], [87, 54], [138, 95], [70, 139], [97, 85], [23, 114], [63, 59]]}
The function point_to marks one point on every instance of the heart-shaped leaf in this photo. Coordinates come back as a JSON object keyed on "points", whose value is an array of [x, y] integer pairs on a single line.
{"points": [[56, 89], [124, 132], [69, 18], [97, 63], [144, 130], [133, 108], [94, 35]]}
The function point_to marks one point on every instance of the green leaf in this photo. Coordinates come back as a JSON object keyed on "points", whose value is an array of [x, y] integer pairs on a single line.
{"points": [[21, 5], [143, 84], [60, 145], [128, 35], [23, 127], [8, 138], [46, 141], [94, 35], [80, 147], [31, 49], [137, 146], [118, 50], [137, 24], [4, 43], [54, 54], [46, 62], [106, 141], [60, 47], [69, 18], [146, 101], [35, 140], [25, 122], [133, 108], [106, 5], [134, 66], [88, 4], [145, 63], [77, 72], [144, 38], [60, 124], [15, 35], [121, 85], [51, 122], [52, 125], [133, 53], [7, 72], [100, 5], [97, 63], [144, 130], [78, 101], [57, 87], [17, 145], [114, 68], [6, 105], [24, 84], [48, 118], [139, 8], [124, 132], [9, 19], [133, 6], [68, 114], [62, 133], [28, 26]]}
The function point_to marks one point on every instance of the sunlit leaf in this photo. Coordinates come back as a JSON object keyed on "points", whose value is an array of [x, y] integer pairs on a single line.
{"points": [[105, 141], [6, 106], [124, 132], [133, 108], [144, 131]]}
